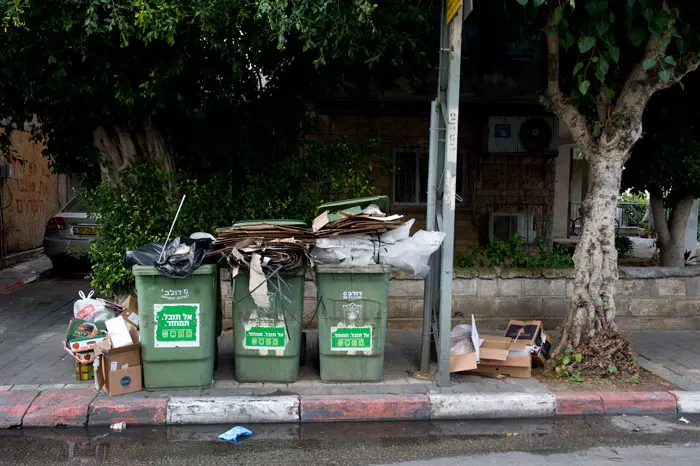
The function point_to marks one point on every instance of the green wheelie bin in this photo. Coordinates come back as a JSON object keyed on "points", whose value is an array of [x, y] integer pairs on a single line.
{"points": [[352, 312], [178, 327], [267, 341]]}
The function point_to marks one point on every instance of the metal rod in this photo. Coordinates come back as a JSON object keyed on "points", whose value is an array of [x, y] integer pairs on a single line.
{"points": [[160, 258], [429, 288]]}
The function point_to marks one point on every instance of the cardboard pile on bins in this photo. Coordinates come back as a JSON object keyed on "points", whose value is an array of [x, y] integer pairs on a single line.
{"points": [[525, 344]]}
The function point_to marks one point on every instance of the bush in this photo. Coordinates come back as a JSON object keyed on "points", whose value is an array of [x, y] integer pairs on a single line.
{"points": [[139, 212], [624, 246], [514, 253]]}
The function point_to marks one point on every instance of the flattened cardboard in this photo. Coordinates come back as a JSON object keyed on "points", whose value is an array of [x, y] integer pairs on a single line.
{"points": [[516, 372]]}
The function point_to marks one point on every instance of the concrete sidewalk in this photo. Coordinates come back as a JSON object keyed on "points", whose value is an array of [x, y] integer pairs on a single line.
{"points": [[38, 387]]}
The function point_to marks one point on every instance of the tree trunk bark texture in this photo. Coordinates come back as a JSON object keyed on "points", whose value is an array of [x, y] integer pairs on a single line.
{"points": [[671, 232], [593, 304], [121, 146]]}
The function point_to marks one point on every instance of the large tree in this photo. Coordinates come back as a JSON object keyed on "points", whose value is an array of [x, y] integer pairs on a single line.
{"points": [[605, 61], [666, 163], [204, 85]]}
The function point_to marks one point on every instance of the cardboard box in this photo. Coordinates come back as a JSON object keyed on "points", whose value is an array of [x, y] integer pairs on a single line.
{"points": [[119, 370], [494, 355], [531, 333], [130, 311], [83, 336]]}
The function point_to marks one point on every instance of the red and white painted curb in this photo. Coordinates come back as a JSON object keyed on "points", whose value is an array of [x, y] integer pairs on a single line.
{"points": [[87, 408]]}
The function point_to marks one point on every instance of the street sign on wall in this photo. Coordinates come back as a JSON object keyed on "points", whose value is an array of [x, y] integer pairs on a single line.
{"points": [[451, 7]]}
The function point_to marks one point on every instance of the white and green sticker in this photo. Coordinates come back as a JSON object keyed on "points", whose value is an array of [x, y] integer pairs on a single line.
{"points": [[268, 338], [176, 325], [351, 338]]}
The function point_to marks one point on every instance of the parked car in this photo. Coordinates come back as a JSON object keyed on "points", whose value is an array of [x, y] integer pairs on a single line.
{"points": [[68, 235]]}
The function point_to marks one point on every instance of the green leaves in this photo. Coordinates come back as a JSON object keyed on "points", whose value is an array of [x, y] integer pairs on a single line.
{"points": [[567, 41], [614, 54], [665, 76], [522, 2], [578, 68], [558, 15], [669, 60], [586, 43], [649, 63], [583, 86], [637, 36]]}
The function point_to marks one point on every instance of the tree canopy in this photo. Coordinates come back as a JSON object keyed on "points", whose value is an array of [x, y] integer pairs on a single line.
{"points": [[224, 80]]}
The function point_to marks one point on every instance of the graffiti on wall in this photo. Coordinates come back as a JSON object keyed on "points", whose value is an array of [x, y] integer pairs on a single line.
{"points": [[30, 187]]}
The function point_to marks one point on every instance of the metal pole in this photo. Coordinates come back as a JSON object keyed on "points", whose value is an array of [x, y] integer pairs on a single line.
{"points": [[429, 284], [449, 199]]}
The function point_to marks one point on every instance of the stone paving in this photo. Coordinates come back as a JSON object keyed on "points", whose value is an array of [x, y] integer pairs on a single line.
{"points": [[673, 356], [34, 317]]}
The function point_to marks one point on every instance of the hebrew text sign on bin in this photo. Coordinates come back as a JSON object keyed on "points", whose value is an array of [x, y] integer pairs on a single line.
{"points": [[176, 325]]}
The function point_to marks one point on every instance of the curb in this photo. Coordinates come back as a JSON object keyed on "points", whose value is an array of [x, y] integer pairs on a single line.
{"points": [[80, 408]]}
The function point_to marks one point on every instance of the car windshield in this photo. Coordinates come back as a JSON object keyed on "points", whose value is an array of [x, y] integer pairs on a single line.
{"points": [[77, 205]]}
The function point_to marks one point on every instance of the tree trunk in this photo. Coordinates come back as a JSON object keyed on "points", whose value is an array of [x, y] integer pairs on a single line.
{"points": [[121, 146], [671, 232], [592, 310]]}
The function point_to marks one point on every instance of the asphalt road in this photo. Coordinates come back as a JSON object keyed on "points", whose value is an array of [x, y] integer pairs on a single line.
{"points": [[579, 441]]}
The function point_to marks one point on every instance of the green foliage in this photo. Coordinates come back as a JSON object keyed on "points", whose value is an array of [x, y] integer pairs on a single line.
{"points": [[225, 81], [565, 367], [624, 246], [297, 185], [610, 39], [140, 212], [514, 253]]}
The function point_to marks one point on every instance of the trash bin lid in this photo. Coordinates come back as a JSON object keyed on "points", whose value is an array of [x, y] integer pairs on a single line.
{"points": [[204, 269], [381, 201], [279, 222]]}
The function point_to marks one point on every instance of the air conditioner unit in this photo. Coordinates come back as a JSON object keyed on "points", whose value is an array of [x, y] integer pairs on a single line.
{"points": [[537, 135], [503, 226]]}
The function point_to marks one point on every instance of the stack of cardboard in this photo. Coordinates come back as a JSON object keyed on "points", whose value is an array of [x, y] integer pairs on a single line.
{"points": [[118, 368], [525, 344]]}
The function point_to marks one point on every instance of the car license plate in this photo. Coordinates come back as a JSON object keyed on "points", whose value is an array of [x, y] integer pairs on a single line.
{"points": [[86, 231]]}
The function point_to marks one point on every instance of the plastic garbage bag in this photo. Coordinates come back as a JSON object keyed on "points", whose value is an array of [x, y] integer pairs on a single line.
{"points": [[181, 258], [235, 434], [412, 254], [401, 233], [461, 340], [91, 309]]}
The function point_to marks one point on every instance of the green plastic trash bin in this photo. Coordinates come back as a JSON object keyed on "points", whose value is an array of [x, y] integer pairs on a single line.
{"points": [[352, 309], [267, 341], [178, 326]]}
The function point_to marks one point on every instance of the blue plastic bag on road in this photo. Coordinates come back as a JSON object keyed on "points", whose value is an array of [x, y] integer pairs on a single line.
{"points": [[235, 434]]}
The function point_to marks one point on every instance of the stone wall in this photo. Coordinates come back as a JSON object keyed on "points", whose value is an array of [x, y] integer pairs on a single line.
{"points": [[648, 298]]}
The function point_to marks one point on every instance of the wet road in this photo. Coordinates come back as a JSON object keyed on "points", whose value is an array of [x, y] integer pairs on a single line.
{"points": [[580, 441]]}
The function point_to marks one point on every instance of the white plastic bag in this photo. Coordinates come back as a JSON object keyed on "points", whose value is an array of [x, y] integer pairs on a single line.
{"points": [[90, 309], [401, 233], [412, 254], [460, 340]]}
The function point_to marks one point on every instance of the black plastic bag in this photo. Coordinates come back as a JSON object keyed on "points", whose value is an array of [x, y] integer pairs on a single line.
{"points": [[181, 258]]}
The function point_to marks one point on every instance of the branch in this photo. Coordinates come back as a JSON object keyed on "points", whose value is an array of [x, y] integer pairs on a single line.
{"points": [[555, 98], [602, 104], [636, 92]]}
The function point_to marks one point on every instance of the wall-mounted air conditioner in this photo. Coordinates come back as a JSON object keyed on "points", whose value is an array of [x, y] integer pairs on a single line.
{"points": [[503, 226], [523, 135]]}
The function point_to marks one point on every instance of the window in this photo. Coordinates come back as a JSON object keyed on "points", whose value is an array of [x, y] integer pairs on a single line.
{"points": [[411, 177]]}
